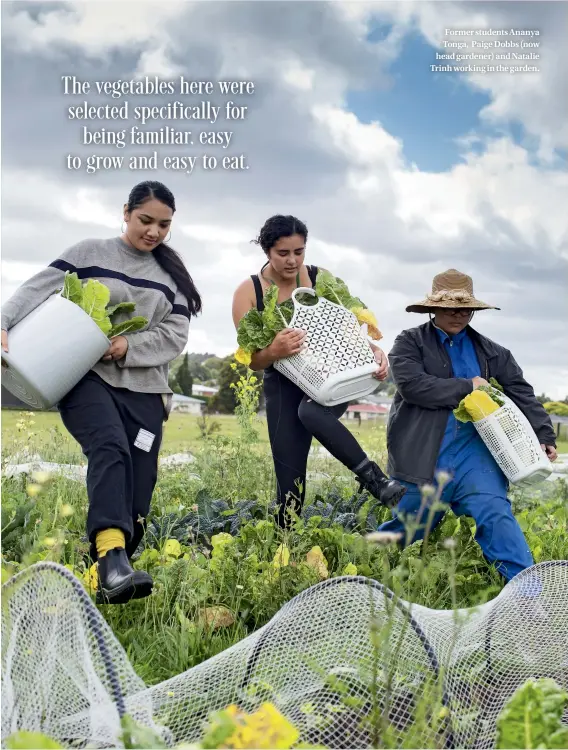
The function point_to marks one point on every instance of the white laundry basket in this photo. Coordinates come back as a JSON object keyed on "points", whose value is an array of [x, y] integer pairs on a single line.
{"points": [[514, 445], [337, 363], [49, 351]]}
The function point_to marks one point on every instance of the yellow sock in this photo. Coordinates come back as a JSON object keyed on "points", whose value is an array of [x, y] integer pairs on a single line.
{"points": [[109, 539]]}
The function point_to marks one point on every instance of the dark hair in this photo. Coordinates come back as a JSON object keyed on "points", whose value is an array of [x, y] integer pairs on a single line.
{"points": [[277, 227], [168, 259]]}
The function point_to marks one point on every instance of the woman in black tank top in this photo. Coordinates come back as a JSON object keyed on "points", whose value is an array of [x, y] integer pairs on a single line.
{"points": [[293, 418]]}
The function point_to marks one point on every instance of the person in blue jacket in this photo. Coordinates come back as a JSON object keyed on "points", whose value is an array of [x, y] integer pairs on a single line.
{"points": [[434, 366]]}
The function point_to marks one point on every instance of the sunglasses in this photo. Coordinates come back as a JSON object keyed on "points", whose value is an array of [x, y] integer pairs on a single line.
{"points": [[462, 312]]}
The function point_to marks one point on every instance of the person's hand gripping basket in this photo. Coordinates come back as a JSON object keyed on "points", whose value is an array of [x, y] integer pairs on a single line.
{"points": [[337, 362], [508, 435]]}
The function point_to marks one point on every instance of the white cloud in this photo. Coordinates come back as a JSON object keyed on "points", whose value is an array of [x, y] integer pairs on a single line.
{"points": [[381, 224]]}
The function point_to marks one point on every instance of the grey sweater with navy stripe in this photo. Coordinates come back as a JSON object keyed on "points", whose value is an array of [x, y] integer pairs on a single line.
{"points": [[131, 276]]}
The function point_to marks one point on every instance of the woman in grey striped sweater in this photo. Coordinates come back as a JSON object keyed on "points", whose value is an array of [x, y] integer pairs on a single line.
{"points": [[117, 410]]}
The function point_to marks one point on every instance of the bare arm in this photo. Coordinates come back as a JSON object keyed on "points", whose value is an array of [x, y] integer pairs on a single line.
{"points": [[286, 343]]}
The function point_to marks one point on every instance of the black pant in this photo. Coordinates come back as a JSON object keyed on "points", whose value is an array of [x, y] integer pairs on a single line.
{"points": [[121, 477], [293, 419]]}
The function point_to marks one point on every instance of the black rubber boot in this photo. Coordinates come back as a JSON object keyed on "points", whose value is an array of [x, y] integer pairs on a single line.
{"points": [[118, 581], [387, 491]]}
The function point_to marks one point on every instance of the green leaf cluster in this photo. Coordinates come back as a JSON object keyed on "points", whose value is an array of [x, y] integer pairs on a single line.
{"points": [[532, 718], [93, 297], [257, 330]]}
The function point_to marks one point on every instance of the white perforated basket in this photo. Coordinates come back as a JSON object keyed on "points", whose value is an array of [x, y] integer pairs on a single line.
{"points": [[337, 362], [514, 445]]}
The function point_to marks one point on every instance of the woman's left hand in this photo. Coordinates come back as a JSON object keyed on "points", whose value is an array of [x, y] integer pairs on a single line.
{"points": [[383, 362], [117, 350]]}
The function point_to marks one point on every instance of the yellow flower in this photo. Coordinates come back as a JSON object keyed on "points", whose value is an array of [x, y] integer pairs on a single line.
{"points": [[172, 548], [317, 561], [91, 578], [282, 557], [364, 315], [350, 570], [243, 357], [66, 510], [33, 489], [265, 728], [41, 477]]}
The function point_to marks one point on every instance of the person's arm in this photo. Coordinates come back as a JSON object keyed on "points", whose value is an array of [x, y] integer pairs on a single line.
{"points": [[35, 290], [416, 386], [510, 376], [286, 342], [162, 343]]}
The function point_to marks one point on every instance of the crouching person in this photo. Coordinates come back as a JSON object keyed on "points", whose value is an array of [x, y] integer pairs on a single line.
{"points": [[434, 366]]}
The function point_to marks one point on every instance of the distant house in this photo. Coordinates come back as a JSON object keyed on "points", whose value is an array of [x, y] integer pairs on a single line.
{"points": [[187, 405], [365, 412], [204, 390]]}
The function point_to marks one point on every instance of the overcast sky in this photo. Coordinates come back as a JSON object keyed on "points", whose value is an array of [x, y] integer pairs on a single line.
{"points": [[398, 171]]}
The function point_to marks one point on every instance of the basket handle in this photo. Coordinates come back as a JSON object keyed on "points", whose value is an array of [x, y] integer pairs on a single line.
{"points": [[303, 290]]}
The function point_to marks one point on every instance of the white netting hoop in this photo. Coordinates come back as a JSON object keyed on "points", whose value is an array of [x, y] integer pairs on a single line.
{"points": [[65, 674], [337, 363]]}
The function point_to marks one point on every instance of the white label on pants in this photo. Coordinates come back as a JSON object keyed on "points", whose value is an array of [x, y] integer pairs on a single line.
{"points": [[144, 440]]}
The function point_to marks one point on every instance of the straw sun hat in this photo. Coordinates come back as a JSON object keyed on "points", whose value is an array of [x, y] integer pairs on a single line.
{"points": [[450, 289]]}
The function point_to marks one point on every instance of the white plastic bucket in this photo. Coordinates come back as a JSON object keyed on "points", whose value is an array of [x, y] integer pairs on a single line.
{"points": [[337, 362], [50, 350], [514, 445]]}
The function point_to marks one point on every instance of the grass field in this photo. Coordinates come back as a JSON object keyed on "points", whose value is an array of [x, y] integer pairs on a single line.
{"points": [[181, 431]]}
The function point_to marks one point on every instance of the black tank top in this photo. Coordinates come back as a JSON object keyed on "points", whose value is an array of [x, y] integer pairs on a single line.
{"points": [[312, 273]]}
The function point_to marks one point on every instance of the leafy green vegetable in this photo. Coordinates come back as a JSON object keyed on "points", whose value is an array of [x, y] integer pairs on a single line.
{"points": [[496, 385], [96, 297], [93, 297], [532, 718], [257, 330], [272, 319], [122, 307], [72, 288], [24, 740], [335, 290], [128, 326]]}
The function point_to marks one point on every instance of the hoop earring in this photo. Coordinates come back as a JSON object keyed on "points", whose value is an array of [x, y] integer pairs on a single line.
{"points": [[121, 229], [168, 238]]}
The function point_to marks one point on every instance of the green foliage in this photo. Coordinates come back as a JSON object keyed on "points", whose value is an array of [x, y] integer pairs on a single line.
{"points": [[31, 741], [556, 407], [335, 290], [225, 401], [129, 326], [135, 735], [257, 330], [532, 718], [122, 307], [72, 288], [212, 542], [93, 297], [183, 377], [96, 297]]}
